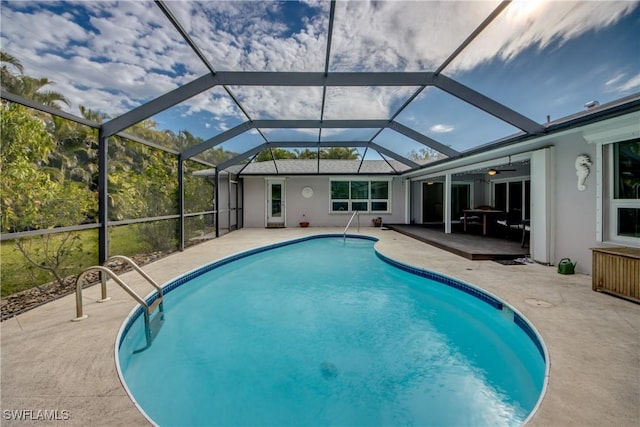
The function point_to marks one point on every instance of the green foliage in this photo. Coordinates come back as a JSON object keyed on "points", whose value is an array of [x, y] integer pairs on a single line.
{"points": [[274, 154], [13, 80], [48, 172], [425, 155], [15, 276], [198, 191], [306, 154], [26, 146], [339, 153], [31, 198], [334, 153]]}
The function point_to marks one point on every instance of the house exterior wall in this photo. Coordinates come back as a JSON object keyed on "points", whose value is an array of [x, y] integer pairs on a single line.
{"points": [[571, 215], [575, 210], [573, 223], [316, 209]]}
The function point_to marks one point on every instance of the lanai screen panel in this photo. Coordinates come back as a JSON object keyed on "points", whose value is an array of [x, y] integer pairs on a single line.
{"points": [[280, 102], [551, 58], [195, 120], [257, 35], [236, 146], [401, 35], [105, 56], [407, 147], [309, 135], [348, 134], [376, 163], [453, 122], [366, 102]]}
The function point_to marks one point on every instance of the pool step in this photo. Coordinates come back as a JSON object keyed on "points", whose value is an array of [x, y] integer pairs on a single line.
{"points": [[275, 225]]}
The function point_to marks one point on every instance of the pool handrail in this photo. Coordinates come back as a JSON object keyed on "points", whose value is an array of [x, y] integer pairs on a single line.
{"points": [[105, 271], [344, 234]]}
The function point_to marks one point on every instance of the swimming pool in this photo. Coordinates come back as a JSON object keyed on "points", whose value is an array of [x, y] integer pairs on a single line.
{"points": [[319, 331]]}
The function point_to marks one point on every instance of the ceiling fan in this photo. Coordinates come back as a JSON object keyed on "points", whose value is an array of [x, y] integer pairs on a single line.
{"points": [[496, 171]]}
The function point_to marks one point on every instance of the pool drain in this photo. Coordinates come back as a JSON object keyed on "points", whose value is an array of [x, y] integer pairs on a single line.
{"points": [[538, 302], [328, 370]]}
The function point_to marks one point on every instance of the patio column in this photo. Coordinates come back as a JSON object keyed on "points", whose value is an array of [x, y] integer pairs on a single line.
{"points": [[407, 201], [542, 209], [447, 203]]}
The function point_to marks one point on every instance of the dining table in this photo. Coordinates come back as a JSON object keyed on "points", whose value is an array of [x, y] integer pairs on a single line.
{"points": [[484, 213]]}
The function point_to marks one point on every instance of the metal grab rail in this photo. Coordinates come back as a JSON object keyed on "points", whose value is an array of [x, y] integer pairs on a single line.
{"points": [[147, 309], [138, 269], [344, 235]]}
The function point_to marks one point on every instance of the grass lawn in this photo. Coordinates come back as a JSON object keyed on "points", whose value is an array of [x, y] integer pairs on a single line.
{"points": [[17, 275]]}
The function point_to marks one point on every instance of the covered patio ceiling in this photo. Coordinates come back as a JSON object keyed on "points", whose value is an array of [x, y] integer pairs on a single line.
{"points": [[396, 84]]}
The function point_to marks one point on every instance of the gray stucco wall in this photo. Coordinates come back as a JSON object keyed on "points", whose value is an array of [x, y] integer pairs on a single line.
{"points": [[314, 209], [575, 211]]}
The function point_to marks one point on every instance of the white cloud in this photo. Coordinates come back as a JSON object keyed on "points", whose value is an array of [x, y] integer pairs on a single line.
{"points": [[401, 36], [121, 61], [521, 26], [287, 102], [130, 53], [623, 84], [441, 128]]}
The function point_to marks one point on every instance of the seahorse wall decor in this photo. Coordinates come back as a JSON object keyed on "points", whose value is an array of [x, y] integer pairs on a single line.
{"points": [[583, 167]]}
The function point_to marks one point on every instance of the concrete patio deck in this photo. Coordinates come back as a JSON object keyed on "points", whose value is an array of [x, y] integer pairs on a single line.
{"points": [[50, 363]]}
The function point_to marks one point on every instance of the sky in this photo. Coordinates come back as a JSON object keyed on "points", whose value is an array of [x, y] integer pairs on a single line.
{"points": [[541, 59]]}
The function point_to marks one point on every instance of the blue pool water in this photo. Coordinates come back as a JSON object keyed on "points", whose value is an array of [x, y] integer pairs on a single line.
{"points": [[321, 332]]}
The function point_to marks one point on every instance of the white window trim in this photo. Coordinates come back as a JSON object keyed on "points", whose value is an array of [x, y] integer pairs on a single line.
{"points": [[521, 179], [611, 205], [369, 200], [604, 135]]}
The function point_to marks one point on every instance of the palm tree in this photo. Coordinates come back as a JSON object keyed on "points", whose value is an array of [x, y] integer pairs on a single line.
{"points": [[31, 88], [8, 78], [343, 153], [77, 152], [25, 86]]}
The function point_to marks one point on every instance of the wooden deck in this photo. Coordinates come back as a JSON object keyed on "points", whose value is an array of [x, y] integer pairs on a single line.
{"points": [[467, 245]]}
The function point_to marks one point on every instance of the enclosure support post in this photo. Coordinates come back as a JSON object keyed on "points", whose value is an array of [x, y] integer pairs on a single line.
{"points": [[216, 198], [447, 203], [229, 201], [103, 197], [238, 203], [181, 203]]}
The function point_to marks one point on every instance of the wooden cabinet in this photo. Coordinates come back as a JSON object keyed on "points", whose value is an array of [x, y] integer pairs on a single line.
{"points": [[617, 271]]}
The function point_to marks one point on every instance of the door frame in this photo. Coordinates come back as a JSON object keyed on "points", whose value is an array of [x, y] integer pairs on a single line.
{"points": [[268, 219]]}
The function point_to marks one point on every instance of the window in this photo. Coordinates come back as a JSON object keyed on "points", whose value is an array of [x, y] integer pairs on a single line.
{"points": [[360, 195], [624, 218], [460, 199], [508, 196]]}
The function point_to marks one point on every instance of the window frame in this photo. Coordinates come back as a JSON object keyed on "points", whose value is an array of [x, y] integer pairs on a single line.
{"points": [[369, 200], [525, 194], [611, 204]]}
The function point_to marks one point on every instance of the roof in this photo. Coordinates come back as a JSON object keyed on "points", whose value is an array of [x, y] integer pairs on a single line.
{"points": [[402, 83], [314, 167]]}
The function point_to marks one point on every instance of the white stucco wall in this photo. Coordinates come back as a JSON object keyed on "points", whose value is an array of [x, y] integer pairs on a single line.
{"points": [[572, 213], [315, 209], [575, 211]]}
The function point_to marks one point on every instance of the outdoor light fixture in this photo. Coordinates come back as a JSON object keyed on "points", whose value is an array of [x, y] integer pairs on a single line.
{"points": [[492, 172]]}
